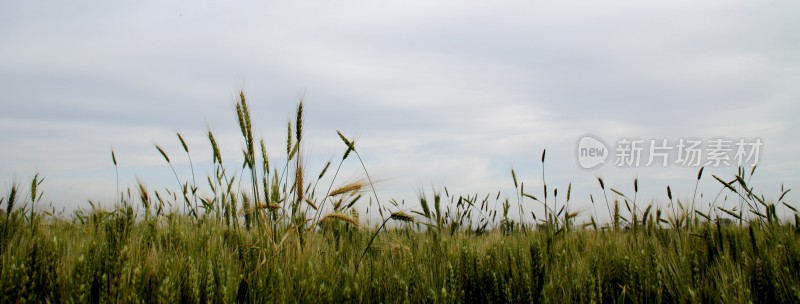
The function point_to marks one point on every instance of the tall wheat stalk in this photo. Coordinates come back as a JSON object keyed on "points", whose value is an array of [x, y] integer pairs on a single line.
{"points": [[544, 189], [12, 199], [350, 147], [608, 206], [694, 195], [191, 166], [245, 124], [398, 216], [116, 173], [180, 184], [518, 196]]}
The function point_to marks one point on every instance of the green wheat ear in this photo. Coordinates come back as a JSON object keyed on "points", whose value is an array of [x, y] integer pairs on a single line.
{"points": [[12, 198], [215, 148], [299, 122], [164, 154], [402, 216], [183, 142]]}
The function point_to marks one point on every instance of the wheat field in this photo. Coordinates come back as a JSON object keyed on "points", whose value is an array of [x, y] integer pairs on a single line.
{"points": [[270, 232]]}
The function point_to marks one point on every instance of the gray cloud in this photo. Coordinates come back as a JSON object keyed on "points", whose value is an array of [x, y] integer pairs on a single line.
{"points": [[440, 93]]}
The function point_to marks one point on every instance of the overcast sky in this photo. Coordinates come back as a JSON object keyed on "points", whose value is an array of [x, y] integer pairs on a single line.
{"points": [[438, 93]]}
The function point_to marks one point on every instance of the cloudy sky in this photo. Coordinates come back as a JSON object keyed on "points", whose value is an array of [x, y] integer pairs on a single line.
{"points": [[438, 93]]}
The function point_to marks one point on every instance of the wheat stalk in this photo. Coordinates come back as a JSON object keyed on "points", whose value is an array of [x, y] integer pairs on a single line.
{"points": [[144, 196], [348, 188], [402, 216], [12, 198], [116, 173], [310, 203], [217, 156], [340, 217], [191, 166], [608, 206]]}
